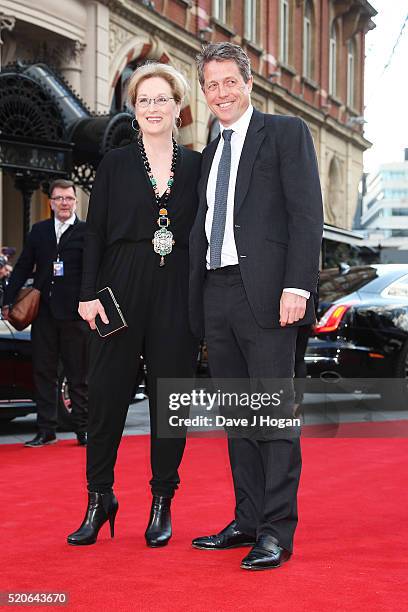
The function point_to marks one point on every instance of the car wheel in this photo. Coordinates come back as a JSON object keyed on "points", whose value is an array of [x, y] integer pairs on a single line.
{"points": [[64, 405]]}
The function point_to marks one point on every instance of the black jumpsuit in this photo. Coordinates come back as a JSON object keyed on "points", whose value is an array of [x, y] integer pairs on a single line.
{"points": [[122, 219]]}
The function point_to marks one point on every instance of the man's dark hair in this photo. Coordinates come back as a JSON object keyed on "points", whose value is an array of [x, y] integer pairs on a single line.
{"points": [[221, 52], [63, 183]]}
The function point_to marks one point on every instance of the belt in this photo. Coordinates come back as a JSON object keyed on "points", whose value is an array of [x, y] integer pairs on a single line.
{"points": [[225, 270]]}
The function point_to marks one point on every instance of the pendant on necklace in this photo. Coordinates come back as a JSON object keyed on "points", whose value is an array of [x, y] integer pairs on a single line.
{"points": [[163, 243]]}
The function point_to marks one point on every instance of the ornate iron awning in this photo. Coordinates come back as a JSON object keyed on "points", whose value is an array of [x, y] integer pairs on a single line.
{"points": [[39, 112], [47, 131]]}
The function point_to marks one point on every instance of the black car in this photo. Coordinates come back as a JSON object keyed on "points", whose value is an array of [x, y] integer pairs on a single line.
{"points": [[17, 391], [362, 329]]}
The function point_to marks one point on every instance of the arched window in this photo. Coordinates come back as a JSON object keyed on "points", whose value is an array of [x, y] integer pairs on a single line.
{"points": [[351, 73], [333, 61], [308, 40]]}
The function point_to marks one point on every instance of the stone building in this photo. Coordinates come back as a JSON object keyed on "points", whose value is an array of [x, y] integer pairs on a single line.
{"points": [[65, 66]]}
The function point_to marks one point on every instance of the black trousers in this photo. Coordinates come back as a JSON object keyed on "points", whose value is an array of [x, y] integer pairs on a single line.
{"points": [[161, 333], [265, 473], [55, 340]]}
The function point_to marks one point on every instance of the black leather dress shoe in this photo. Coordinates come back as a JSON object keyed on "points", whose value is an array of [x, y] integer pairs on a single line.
{"points": [[41, 439], [82, 438], [230, 537], [266, 554]]}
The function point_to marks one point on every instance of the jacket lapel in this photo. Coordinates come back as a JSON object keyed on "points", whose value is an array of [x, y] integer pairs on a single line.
{"points": [[48, 231], [206, 167], [254, 137]]}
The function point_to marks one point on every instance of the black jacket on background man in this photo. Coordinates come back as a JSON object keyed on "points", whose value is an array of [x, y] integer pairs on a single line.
{"points": [[59, 293], [58, 334]]}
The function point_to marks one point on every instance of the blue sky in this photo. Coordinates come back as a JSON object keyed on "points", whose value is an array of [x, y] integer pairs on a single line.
{"points": [[386, 95]]}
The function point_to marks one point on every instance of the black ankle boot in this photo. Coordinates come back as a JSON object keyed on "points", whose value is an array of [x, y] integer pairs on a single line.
{"points": [[102, 507], [158, 531]]}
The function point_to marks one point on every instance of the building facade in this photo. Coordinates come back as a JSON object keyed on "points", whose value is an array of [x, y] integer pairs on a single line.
{"points": [[385, 206], [307, 58]]}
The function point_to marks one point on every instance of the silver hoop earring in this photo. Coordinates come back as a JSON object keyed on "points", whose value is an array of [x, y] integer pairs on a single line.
{"points": [[133, 127], [178, 125]]}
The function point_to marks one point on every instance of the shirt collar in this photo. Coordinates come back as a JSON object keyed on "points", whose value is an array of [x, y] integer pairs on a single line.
{"points": [[69, 221], [241, 126]]}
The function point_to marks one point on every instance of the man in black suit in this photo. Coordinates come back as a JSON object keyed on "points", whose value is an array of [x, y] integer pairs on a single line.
{"points": [[254, 252], [54, 249]]}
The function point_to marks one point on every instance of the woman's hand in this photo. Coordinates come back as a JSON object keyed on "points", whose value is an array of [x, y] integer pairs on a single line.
{"points": [[89, 310]]}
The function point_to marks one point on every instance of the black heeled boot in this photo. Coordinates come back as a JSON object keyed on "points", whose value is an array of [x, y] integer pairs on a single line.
{"points": [[102, 507], [158, 531]]}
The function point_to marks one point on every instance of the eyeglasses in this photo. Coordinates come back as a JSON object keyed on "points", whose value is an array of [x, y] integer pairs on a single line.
{"points": [[143, 102], [67, 199]]}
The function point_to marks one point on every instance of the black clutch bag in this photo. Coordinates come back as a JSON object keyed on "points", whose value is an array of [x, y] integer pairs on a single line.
{"points": [[113, 312]]}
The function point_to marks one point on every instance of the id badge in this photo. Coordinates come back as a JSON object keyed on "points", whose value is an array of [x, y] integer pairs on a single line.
{"points": [[58, 267]]}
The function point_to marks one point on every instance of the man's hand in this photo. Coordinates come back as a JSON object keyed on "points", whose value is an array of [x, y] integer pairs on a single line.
{"points": [[89, 310], [5, 312], [292, 308]]}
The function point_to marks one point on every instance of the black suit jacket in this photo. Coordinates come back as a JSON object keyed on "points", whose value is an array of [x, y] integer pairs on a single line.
{"points": [[59, 294], [278, 218]]}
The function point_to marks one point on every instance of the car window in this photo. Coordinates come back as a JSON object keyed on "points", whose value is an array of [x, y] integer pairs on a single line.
{"points": [[335, 284], [397, 289]]}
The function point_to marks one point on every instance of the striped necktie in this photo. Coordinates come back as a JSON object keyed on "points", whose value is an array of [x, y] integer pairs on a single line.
{"points": [[220, 202]]}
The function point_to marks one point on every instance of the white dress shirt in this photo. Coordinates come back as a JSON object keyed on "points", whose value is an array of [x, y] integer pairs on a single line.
{"points": [[229, 255], [62, 226]]}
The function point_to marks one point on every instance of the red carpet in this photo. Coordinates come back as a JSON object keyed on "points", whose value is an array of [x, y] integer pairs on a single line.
{"points": [[351, 547]]}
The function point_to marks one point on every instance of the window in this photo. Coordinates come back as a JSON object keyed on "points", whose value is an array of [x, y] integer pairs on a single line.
{"points": [[398, 288], [284, 31], [351, 53], [395, 194], [402, 212], [308, 40], [333, 61], [220, 10], [399, 233], [251, 20]]}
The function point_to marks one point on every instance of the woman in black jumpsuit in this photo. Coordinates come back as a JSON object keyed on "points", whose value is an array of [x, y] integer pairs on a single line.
{"points": [[122, 220]]}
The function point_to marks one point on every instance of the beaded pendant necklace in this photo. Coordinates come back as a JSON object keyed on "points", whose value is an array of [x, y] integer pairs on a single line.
{"points": [[163, 240]]}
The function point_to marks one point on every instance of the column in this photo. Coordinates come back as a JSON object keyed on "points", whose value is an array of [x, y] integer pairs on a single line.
{"points": [[7, 22]]}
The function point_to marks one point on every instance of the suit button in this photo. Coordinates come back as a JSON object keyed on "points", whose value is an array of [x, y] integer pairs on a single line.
{"points": [[237, 226], [242, 255]]}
